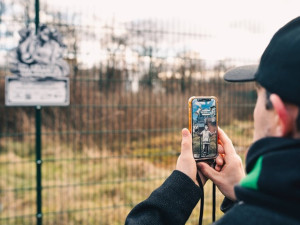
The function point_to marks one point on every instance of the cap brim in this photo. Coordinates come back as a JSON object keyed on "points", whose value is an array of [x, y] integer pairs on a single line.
{"points": [[241, 74]]}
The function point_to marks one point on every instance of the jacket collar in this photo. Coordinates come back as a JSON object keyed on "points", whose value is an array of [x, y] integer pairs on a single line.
{"points": [[269, 145], [273, 176]]}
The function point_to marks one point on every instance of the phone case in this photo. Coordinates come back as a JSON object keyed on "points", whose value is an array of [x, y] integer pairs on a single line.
{"points": [[203, 125]]}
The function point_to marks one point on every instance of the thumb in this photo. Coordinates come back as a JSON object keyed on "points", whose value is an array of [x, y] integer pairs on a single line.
{"points": [[208, 171], [186, 143]]}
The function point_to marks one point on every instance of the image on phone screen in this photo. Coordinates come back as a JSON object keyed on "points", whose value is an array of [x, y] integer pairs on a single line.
{"points": [[204, 128]]}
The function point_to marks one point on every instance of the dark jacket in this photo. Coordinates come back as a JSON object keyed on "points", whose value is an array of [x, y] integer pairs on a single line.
{"points": [[269, 194]]}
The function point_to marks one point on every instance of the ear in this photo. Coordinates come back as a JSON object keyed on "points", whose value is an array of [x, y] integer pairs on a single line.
{"points": [[284, 119]]}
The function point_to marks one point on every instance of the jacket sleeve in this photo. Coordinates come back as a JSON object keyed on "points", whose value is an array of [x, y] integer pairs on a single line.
{"points": [[226, 205], [172, 203]]}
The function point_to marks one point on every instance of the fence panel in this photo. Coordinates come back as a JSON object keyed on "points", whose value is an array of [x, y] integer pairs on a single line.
{"points": [[120, 136]]}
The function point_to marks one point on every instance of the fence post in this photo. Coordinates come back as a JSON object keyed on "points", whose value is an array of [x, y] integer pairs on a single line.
{"points": [[37, 15], [39, 214], [38, 142]]}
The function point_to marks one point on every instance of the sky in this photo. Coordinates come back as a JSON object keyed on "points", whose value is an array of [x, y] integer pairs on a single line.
{"points": [[204, 105], [236, 28]]}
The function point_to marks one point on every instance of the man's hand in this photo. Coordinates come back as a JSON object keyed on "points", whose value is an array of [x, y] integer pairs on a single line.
{"points": [[186, 162], [228, 175]]}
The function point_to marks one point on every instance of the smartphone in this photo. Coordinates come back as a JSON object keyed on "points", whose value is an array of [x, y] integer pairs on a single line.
{"points": [[203, 125]]}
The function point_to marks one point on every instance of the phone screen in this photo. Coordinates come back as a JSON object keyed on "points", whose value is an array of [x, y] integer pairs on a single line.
{"points": [[204, 127]]}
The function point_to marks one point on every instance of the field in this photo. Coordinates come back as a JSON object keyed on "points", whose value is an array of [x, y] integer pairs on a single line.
{"points": [[95, 186], [108, 150]]}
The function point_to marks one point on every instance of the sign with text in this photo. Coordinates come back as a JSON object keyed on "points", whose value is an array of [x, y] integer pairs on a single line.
{"points": [[40, 72], [33, 92]]}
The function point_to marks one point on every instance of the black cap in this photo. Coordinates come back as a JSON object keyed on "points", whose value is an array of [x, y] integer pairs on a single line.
{"points": [[279, 67]]}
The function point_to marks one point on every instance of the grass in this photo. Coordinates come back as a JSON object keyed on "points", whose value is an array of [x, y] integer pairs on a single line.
{"points": [[240, 132], [94, 186], [77, 188]]}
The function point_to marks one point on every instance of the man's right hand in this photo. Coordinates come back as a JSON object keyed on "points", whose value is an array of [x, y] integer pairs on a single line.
{"points": [[231, 172]]}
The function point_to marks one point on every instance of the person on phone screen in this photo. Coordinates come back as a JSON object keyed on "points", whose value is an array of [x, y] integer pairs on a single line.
{"points": [[205, 134], [269, 193]]}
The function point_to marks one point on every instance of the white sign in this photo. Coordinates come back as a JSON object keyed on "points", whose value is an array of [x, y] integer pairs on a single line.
{"points": [[40, 72], [33, 92]]}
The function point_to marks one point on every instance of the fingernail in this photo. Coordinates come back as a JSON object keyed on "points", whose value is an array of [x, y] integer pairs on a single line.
{"points": [[185, 133]]}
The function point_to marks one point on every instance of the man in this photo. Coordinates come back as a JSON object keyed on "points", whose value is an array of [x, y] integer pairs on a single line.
{"points": [[270, 192], [205, 134]]}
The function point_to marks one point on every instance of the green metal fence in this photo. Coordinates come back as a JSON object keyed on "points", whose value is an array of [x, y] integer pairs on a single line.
{"points": [[120, 137]]}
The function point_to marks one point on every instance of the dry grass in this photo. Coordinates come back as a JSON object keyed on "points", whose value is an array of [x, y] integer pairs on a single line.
{"points": [[93, 186], [75, 190], [108, 150], [100, 116]]}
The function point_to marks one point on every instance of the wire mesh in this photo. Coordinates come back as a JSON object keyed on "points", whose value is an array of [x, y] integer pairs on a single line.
{"points": [[120, 137]]}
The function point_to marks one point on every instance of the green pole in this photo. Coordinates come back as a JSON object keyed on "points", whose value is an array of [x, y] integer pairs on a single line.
{"points": [[37, 15], [39, 214], [38, 142]]}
